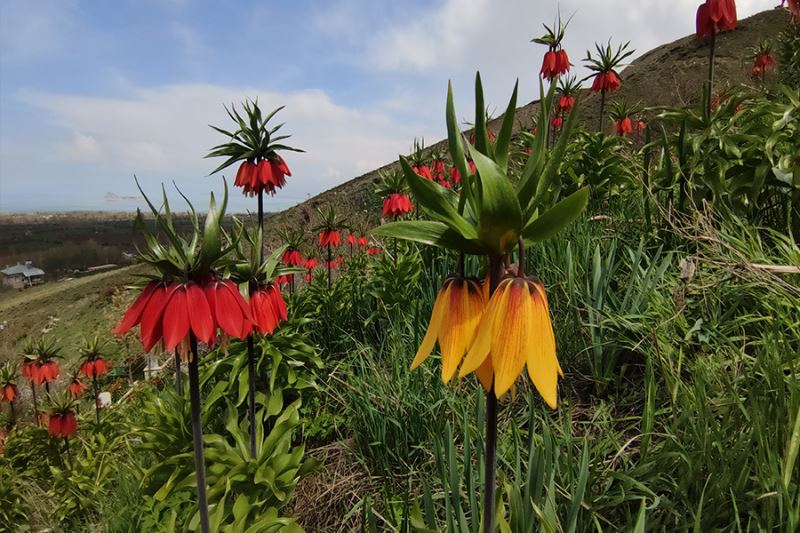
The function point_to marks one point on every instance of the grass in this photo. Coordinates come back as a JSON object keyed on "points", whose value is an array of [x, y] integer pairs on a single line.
{"points": [[69, 310]]}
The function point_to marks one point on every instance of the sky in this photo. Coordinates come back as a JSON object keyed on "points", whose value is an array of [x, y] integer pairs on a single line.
{"points": [[94, 92]]}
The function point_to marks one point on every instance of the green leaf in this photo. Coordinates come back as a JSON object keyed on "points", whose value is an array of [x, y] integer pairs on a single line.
{"points": [[556, 155], [481, 133], [557, 217], [455, 142], [433, 198], [533, 167], [504, 136], [212, 233], [500, 216], [432, 233]]}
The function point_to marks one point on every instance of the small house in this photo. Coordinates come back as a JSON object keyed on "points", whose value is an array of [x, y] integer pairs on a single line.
{"points": [[20, 276]]}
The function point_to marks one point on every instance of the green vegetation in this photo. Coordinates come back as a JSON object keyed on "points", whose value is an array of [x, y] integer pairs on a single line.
{"points": [[675, 301]]}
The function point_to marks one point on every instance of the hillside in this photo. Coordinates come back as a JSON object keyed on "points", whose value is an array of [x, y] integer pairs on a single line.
{"points": [[70, 309], [671, 74]]}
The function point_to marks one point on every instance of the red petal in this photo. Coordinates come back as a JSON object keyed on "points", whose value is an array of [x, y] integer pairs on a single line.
{"points": [[199, 313], [176, 319], [151, 327], [87, 368], [69, 426], [265, 173], [100, 367], [134, 313], [278, 303], [262, 312], [231, 312], [54, 425]]}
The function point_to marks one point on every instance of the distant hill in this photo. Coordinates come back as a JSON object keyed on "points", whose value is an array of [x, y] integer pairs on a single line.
{"points": [[669, 75]]}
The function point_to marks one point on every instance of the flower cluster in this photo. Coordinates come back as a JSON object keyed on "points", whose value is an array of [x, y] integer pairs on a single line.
{"points": [[292, 257], [40, 372], [171, 311], [495, 337], [556, 61], [606, 82], [267, 308], [62, 424], [330, 237], [8, 392], [763, 61], [310, 264], [94, 367], [714, 16], [794, 9], [265, 176], [76, 387], [396, 205], [256, 145]]}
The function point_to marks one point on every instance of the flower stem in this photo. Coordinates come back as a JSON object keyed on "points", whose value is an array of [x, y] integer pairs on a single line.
{"points": [[178, 374], [261, 222], [251, 357], [69, 453], [490, 466], [251, 384], [197, 437], [602, 108], [712, 54], [329, 268], [96, 397], [35, 404], [13, 420]]}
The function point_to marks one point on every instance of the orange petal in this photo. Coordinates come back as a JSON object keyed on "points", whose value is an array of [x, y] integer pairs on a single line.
{"points": [[482, 341], [439, 310], [460, 323], [543, 367], [509, 336], [485, 374]]}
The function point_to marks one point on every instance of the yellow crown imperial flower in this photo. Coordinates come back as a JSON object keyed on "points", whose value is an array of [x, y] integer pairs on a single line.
{"points": [[456, 314], [515, 330]]}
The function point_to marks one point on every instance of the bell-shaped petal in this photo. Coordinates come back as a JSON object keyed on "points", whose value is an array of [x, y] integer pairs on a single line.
{"points": [[515, 331], [54, 425], [134, 313], [229, 311], [456, 314]]}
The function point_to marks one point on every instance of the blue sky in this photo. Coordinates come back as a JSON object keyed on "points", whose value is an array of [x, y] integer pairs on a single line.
{"points": [[93, 92]]}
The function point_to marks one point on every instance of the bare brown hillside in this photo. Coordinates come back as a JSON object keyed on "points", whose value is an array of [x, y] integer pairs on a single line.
{"points": [[671, 74]]}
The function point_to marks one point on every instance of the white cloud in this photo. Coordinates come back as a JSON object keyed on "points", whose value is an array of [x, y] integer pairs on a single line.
{"points": [[162, 133], [491, 36], [81, 147]]}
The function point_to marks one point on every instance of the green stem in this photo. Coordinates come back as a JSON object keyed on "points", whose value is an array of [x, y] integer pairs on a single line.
{"points": [[490, 466], [602, 108], [646, 179], [329, 268], [96, 397], [197, 437], [795, 207], [178, 374], [35, 404], [711, 60], [251, 393], [69, 453]]}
